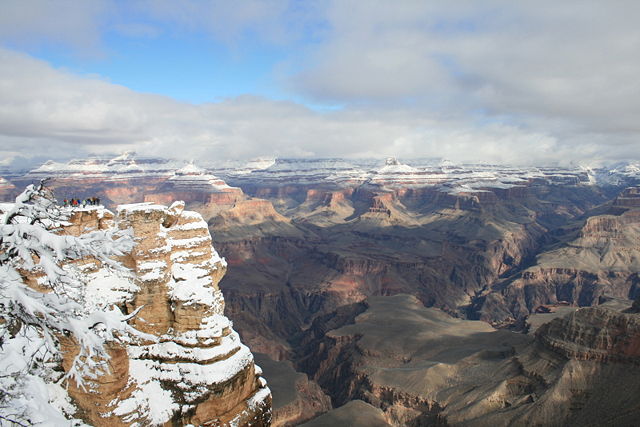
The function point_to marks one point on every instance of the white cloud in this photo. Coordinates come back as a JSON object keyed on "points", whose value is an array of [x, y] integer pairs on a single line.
{"points": [[45, 110], [526, 82], [560, 66], [64, 22]]}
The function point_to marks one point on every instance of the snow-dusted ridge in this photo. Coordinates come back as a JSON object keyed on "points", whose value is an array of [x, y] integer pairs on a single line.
{"points": [[181, 176], [126, 166], [393, 173]]}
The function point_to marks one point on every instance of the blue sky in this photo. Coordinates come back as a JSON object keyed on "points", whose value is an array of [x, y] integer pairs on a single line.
{"points": [[190, 68], [496, 81], [160, 57]]}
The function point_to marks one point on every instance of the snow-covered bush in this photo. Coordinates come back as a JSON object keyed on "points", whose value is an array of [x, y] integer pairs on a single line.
{"points": [[32, 321]]}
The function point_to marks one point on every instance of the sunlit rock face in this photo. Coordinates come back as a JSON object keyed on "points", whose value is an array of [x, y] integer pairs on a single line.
{"points": [[189, 367], [195, 186], [598, 260]]}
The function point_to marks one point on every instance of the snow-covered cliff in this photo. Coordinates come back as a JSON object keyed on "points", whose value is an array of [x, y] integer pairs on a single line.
{"points": [[187, 365]]}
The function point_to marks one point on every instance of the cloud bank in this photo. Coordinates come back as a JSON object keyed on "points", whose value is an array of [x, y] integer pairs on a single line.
{"points": [[506, 82]]}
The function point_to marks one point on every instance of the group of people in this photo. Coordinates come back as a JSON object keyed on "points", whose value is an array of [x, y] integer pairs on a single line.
{"points": [[74, 203]]}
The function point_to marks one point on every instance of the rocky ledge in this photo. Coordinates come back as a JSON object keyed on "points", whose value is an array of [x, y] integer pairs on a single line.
{"points": [[594, 333]]}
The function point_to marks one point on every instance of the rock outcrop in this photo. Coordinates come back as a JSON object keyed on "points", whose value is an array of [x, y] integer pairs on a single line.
{"points": [[629, 198], [197, 188], [188, 365], [356, 413], [597, 334]]}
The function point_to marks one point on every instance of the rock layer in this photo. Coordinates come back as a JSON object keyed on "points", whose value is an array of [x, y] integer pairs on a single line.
{"points": [[188, 366], [601, 258]]}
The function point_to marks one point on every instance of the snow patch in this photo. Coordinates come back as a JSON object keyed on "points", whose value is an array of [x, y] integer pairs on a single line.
{"points": [[105, 287]]}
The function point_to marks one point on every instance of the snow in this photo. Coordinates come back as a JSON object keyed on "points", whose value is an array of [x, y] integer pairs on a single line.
{"points": [[141, 207], [191, 284], [36, 396], [153, 276], [171, 350], [187, 375], [193, 379], [418, 173], [191, 215], [258, 398], [257, 164], [203, 182], [212, 327], [191, 242], [396, 169], [123, 167], [254, 402], [181, 256], [194, 225], [151, 265], [105, 287], [161, 250], [190, 169], [149, 401]]}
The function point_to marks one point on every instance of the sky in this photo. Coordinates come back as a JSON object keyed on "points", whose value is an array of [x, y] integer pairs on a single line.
{"points": [[518, 82]]}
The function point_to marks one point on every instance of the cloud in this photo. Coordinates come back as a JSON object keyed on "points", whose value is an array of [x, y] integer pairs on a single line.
{"points": [[523, 82], [51, 111], [83, 26], [45, 108], [226, 21], [568, 67], [78, 24]]}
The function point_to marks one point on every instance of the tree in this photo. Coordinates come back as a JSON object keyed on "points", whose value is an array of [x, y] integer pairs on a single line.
{"points": [[32, 322]]}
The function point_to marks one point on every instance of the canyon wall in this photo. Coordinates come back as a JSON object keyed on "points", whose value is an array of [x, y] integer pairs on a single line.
{"points": [[598, 259]]}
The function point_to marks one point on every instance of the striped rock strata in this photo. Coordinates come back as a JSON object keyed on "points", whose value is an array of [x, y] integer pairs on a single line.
{"points": [[190, 367]]}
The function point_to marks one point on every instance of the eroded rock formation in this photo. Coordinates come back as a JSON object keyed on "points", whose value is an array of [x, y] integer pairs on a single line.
{"points": [[296, 398], [189, 367], [7, 190], [601, 258]]}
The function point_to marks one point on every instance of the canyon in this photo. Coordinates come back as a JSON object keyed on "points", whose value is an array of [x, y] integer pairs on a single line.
{"points": [[414, 294]]}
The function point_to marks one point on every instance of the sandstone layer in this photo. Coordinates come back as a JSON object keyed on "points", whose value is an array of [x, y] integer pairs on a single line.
{"points": [[187, 365]]}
